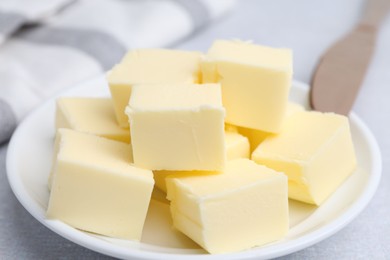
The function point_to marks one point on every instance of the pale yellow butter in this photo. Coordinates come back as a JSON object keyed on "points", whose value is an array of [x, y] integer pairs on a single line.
{"points": [[96, 188], [146, 66], [237, 146], [160, 177], [243, 207], [255, 137], [177, 127], [255, 82], [90, 115], [231, 128], [158, 229], [314, 150]]}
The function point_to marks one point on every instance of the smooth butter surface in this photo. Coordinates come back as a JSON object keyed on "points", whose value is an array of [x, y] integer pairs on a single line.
{"points": [[148, 66], [247, 53], [316, 152], [159, 219], [90, 115], [255, 82], [177, 127], [96, 188], [255, 137], [246, 199], [237, 146]]}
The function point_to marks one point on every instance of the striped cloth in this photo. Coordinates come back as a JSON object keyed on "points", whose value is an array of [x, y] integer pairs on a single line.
{"points": [[47, 45]]}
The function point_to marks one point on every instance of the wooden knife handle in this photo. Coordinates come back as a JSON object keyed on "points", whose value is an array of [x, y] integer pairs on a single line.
{"points": [[375, 12], [340, 72]]}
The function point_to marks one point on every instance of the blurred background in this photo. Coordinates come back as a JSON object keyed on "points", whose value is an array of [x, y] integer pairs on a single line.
{"points": [[47, 46]]}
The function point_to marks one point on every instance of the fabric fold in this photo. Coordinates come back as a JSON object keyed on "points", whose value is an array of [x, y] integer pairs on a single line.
{"points": [[49, 45]]}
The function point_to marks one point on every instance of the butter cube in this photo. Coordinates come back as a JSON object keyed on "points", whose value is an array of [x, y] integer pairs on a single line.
{"points": [[146, 66], [255, 82], [292, 108], [257, 136], [90, 115], [243, 207], [158, 229], [237, 146], [160, 177], [254, 136], [95, 188], [231, 128], [177, 127], [314, 150]]}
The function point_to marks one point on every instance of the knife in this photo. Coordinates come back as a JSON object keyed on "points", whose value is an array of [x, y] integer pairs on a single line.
{"points": [[340, 72]]}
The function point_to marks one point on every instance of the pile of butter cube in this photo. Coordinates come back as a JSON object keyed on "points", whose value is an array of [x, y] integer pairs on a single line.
{"points": [[215, 131]]}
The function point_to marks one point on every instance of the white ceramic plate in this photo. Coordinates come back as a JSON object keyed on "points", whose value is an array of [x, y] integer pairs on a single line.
{"points": [[29, 160]]}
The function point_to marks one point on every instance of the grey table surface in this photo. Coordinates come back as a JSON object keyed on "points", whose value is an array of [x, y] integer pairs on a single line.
{"points": [[308, 27]]}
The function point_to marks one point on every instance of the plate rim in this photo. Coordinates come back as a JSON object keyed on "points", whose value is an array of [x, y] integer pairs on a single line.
{"points": [[103, 247]]}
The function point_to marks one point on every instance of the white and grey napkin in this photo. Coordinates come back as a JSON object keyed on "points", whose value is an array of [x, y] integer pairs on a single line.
{"points": [[48, 45]]}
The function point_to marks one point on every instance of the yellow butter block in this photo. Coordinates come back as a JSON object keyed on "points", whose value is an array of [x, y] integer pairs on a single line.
{"points": [[160, 177], [96, 188], [177, 127], [292, 108], [255, 82], [257, 136], [243, 207], [314, 150], [90, 115], [158, 229], [237, 146], [254, 136], [231, 128], [146, 66]]}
